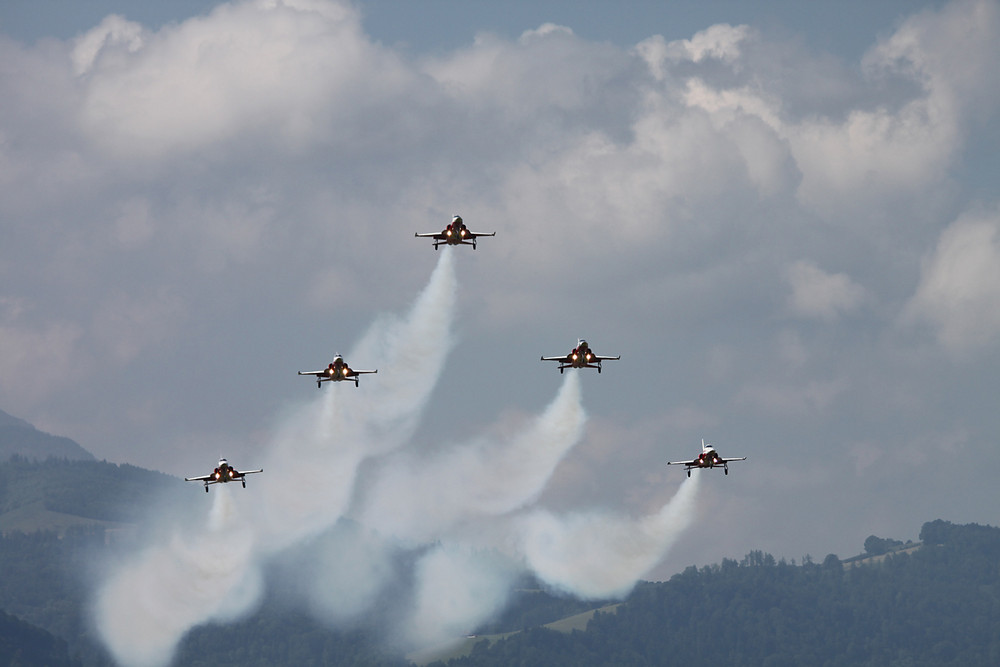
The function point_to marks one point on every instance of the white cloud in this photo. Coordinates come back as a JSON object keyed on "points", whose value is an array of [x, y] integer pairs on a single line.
{"points": [[37, 360], [501, 80], [951, 54], [812, 397], [719, 42], [821, 295], [114, 32], [238, 193], [127, 326], [296, 71], [959, 290]]}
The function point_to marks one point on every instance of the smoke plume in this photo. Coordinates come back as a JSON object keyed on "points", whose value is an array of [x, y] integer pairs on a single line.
{"points": [[198, 575], [211, 571], [440, 536], [312, 466], [457, 589], [600, 555], [418, 498]]}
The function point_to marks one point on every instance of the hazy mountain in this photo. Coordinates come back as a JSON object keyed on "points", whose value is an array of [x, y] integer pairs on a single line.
{"points": [[18, 437], [24, 644], [57, 494]]}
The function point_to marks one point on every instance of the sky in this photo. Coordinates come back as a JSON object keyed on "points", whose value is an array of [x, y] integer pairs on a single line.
{"points": [[783, 216]]}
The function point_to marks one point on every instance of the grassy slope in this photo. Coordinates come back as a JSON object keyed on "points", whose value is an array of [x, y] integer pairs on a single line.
{"points": [[463, 647]]}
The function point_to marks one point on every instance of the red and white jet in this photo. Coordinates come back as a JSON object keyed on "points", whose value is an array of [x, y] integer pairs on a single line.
{"points": [[709, 458], [455, 233], [337, 371], [581, 356], [222, 474]]}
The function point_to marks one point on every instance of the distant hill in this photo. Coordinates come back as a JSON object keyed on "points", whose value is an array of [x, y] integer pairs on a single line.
{"points": [[929, 604], [19, 438], [57, 494], [58, 518], [933, 604]]}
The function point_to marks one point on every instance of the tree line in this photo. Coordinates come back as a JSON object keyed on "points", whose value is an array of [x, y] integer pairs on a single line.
{"points": [[937, 605]]}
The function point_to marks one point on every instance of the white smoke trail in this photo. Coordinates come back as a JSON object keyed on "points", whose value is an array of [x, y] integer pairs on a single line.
{"points": [[458, 588], [453, 511], [342, 573], [413, 352], [590, 555], [145, 609], [418, 498], [599, 555], [312, 467]]}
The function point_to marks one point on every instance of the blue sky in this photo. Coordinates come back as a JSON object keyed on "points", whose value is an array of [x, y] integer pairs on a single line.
{"points": [[783, 216], [846, 28]]}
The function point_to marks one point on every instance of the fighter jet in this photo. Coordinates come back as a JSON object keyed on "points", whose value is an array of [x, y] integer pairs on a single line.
{"points": [[224, 473], [455, 233], [581, 356], [337, 371], [709, 458]]}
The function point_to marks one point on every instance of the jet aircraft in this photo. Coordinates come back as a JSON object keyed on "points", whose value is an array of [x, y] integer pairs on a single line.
{"points": [[337, 371], [709, 458], [581, 356], [455, 233], [222, 474]]}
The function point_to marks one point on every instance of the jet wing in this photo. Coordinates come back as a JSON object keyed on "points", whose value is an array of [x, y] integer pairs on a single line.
{"points": [[742, 458], [354, 372], [598, 357], [248, 472], [430, 235], [203, 478], [683, 463], [483, 233], [322, 372], [563, 358]]}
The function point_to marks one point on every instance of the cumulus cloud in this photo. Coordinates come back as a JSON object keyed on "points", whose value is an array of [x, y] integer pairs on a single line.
{"points": [[260, 68], [959, 285], [792, 398], [907, 147], [719, 42], [822, 295], [28, 348], [218, 200]]}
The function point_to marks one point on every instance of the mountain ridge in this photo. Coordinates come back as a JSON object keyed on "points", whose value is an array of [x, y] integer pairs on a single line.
{"points": [[20, 438]]}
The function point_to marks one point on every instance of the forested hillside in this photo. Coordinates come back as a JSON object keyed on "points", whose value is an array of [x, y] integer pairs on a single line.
{"points": [[59, 493], [24, 644], [18, 437], [44, 582], [936, 605], [932, 604]]}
